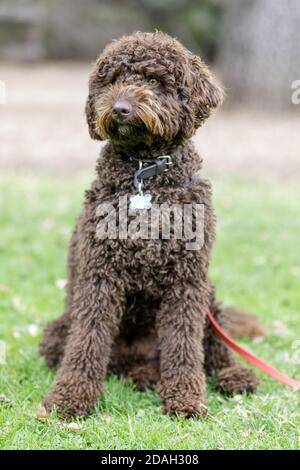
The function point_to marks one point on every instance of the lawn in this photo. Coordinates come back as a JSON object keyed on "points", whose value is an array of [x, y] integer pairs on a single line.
{"points": [[256, 265]]}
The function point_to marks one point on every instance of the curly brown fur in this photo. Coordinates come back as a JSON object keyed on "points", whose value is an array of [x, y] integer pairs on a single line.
{"points": [[138, 307]]}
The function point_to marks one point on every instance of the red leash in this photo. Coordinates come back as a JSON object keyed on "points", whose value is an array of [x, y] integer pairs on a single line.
{"points": [[256, 361]]}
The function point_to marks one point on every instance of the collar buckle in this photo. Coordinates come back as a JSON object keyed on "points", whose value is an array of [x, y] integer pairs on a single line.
{"points": [[167, 159]]}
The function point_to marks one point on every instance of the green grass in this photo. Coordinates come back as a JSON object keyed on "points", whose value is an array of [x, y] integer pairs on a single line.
{"points": [[256, 265]]}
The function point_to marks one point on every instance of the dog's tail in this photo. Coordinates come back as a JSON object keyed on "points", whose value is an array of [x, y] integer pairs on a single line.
{"points": [[239, 323]]}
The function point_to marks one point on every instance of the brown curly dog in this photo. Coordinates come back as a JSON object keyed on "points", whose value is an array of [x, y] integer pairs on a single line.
{"points": [[136, 306]]}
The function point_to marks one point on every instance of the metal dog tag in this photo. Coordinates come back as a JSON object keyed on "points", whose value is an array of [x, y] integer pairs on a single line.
{"points": [[140, 202]]}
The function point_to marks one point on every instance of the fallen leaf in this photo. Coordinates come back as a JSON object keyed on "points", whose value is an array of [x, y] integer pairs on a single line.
{"points": [[41, 413], [106, 417], [279, 328], [5, 401], [74, 427], [140, 414], [258, 339]]}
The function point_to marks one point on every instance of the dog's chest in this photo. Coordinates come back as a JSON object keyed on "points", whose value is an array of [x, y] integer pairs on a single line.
{"points": [[147, 247], [148, 237]]}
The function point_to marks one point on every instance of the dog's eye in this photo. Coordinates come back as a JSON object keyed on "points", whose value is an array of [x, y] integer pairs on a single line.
{"points": [[153, 82]]}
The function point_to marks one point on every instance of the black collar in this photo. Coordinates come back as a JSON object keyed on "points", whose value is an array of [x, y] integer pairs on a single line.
{"points": [[149, 168]]}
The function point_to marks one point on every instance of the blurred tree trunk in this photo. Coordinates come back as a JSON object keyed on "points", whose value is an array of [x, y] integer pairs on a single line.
{"points": [[259, 54]]}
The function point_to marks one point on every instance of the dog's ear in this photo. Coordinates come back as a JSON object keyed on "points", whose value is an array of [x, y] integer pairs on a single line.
{"points": [[100, 76], [207, 92], [90, 111], [90, 114]]}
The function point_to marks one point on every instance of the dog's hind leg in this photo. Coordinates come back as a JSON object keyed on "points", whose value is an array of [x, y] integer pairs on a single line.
{"points": [[54, 340], [138, 361], [239, 323], [231, 376], [145, 374]]}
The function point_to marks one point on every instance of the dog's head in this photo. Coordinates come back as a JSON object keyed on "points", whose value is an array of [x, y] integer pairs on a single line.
{"points": [[148, 88]]}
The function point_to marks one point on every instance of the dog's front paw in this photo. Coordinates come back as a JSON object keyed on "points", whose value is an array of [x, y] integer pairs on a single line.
{"points": [[71, 398], [65, 407], [237, 379], [185, 406]]}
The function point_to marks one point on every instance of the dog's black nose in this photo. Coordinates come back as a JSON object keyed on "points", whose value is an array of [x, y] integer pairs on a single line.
{"points": [[121, 110]]}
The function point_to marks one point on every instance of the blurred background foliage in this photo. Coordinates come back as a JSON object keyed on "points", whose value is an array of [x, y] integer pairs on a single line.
{"points": [[254, 44], [76, 29]]}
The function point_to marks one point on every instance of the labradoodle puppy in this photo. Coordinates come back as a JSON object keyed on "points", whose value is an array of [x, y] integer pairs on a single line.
{"points": [[136, 305]]}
